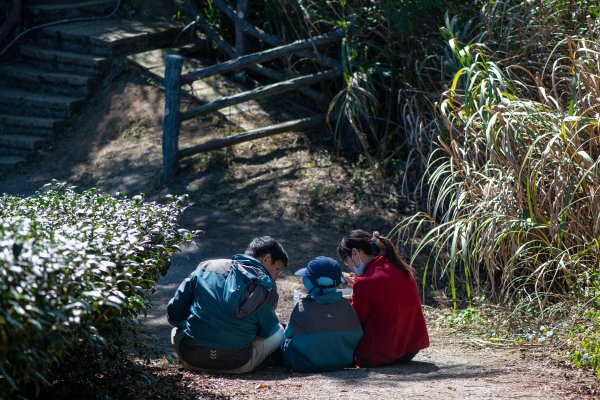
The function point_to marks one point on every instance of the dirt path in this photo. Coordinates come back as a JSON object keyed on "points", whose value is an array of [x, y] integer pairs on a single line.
{"points": [[294, 189]]}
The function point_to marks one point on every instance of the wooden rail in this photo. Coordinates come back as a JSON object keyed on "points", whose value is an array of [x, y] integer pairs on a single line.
{"points": [[231, 52], [298, 124], [174, 79], [259, 93], [271, 40], [267, 55]]}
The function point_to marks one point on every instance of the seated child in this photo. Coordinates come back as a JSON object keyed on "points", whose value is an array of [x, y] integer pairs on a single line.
{"points": [[323, 329]]}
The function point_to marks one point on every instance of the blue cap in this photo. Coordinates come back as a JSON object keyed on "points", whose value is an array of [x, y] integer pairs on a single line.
{"points": [[322, 267]]}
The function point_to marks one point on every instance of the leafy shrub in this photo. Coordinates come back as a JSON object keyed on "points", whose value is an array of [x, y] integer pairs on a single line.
{"points": [[585, 330], [469, 316], [586, 349], [75, 269]]}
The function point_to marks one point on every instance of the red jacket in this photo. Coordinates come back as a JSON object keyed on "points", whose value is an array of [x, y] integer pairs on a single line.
{"points": [[388, 305]]}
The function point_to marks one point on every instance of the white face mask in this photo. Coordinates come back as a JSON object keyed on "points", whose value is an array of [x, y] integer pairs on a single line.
{"points": [[361, 267]]}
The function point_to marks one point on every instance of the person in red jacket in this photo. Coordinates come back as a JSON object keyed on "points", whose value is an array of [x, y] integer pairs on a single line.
{"points": [[385, 298]]}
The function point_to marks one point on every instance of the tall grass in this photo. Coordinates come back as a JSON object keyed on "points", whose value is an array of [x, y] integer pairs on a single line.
{"points": [[514, 202]]}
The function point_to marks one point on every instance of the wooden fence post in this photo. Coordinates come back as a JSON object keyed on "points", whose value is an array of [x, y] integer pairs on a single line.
{"points": [[172, 118], [240, 34], [240, 45]]}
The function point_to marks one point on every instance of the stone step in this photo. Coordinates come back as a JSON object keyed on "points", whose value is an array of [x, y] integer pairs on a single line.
{"points": [[62, 61], [41, 2], [30, 126], [8, 161], [44, 12], [14, 152], [33, 78], [30, 2], [23, 141], [108, 38], [152, 62], [23, 102]]}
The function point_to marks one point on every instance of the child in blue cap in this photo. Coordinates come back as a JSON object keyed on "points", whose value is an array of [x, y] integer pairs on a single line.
{"points": [[323, 329]]}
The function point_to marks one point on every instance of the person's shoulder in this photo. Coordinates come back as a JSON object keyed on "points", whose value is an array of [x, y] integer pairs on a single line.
{"points": [[217, 265], [214, 261]]}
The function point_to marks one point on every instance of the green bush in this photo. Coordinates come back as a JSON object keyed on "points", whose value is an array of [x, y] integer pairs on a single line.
{"points": [[75, 269], [585, 330], [586, 347]]}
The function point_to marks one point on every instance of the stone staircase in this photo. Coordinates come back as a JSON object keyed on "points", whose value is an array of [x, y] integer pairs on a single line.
{"points": [[43, 11], [47, 76]]}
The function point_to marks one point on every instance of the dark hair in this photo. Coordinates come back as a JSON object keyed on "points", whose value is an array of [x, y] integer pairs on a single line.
{"points": [[264, 245], [372, 245]]}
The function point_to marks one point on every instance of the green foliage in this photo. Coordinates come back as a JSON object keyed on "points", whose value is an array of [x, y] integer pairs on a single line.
{"points": [[213, 159], [210, 11], [361, 172], [469, 316], [585, 332], [586, 352], [74, 274]]}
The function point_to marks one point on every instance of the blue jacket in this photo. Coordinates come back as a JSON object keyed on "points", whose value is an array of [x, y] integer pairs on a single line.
{"points": [[221, 308], [322, 334]]}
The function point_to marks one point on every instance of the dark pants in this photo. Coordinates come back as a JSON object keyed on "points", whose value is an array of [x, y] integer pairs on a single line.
{"points": [[406, 358]]}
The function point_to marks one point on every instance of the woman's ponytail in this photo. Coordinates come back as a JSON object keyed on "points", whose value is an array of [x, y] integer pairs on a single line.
{"points": [[390, 251]]}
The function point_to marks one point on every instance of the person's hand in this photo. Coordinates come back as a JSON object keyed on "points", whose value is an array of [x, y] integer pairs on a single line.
{"points": [[349, 278]]}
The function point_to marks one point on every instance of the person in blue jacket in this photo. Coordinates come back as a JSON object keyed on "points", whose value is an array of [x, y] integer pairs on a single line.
{"points": [[224, 313], [323, 330]]}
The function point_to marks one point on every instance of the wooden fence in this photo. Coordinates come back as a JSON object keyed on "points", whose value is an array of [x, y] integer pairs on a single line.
{"points": [[174, 79]]}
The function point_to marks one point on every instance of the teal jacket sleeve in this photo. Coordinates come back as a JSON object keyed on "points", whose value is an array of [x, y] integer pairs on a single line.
{"points": [[178, 309], [288, 333]]}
